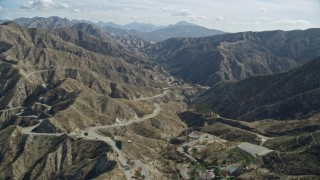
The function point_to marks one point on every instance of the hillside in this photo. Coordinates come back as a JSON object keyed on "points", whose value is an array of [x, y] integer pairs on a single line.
{"points": [[71, 95], [209, 60], [80, 100], [27, 157], [40, 67], [287, 95]]}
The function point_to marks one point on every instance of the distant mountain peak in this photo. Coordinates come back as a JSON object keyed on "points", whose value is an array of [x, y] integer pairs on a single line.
{"points": [[184, 23], [137, 23]]}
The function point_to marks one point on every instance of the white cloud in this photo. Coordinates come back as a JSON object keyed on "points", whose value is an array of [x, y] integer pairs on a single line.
{"points": [[2, 10], [170, 8], [64, 5], [133, 17], [189, 14], [262, 9], [27, 5], [257, 23], [265, 18], [290, 22], [76, 10], [39, 4], [184, 13], [126, 9], [219, 18], [197, 17]]}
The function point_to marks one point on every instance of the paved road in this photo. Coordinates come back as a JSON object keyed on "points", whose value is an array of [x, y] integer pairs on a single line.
{"points": [[45, 70], [133, 120], [28, 130], [39, 71], [153, 97], [260, 137], [93, 134]]}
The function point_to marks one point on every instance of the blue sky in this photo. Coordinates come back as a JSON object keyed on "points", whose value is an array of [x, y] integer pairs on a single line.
{"points": [[227, 15]]}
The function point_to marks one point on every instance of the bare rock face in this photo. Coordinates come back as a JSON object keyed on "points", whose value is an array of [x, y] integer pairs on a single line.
{"points": [[51, 157]]}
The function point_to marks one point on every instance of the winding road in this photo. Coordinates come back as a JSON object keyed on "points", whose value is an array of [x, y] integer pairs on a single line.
{"points": [[92, 132], [94, 135], [260, 137], [27, 76], [153, 97]]}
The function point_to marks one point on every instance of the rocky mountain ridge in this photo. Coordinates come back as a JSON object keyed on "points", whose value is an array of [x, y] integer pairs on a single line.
{"points": [[39, 66], [77, 102], [209, 60], [289, 95], [136, 31]]}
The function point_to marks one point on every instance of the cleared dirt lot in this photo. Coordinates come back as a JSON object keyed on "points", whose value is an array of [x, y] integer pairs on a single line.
{"points": [[253, 149]]}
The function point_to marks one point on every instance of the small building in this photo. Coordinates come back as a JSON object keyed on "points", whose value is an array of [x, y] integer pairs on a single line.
{"points": [[129, 141]]}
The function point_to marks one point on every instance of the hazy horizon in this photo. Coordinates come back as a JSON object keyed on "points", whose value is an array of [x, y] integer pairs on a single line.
{"points": [[230, 16]]}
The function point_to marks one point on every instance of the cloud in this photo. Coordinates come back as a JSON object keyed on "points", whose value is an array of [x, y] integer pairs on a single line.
{"points": [[133, 17], [265, 18], [170, 8], [64, 5], [257, 23], [2, 10], [184, 13], [262, 9], [290, 22], [189, 14], [76, 10], [219, 18], [37, 4], [126, 9]]}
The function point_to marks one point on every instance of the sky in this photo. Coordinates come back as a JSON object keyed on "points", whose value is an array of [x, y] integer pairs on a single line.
{"points": [[226, 15]]}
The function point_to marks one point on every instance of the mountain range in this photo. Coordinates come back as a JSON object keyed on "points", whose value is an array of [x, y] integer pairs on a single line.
{"points": [[46, 67], [209, 60], [141, 27], [142, 31], [288, 95], [83, 100], [57, 82]]}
